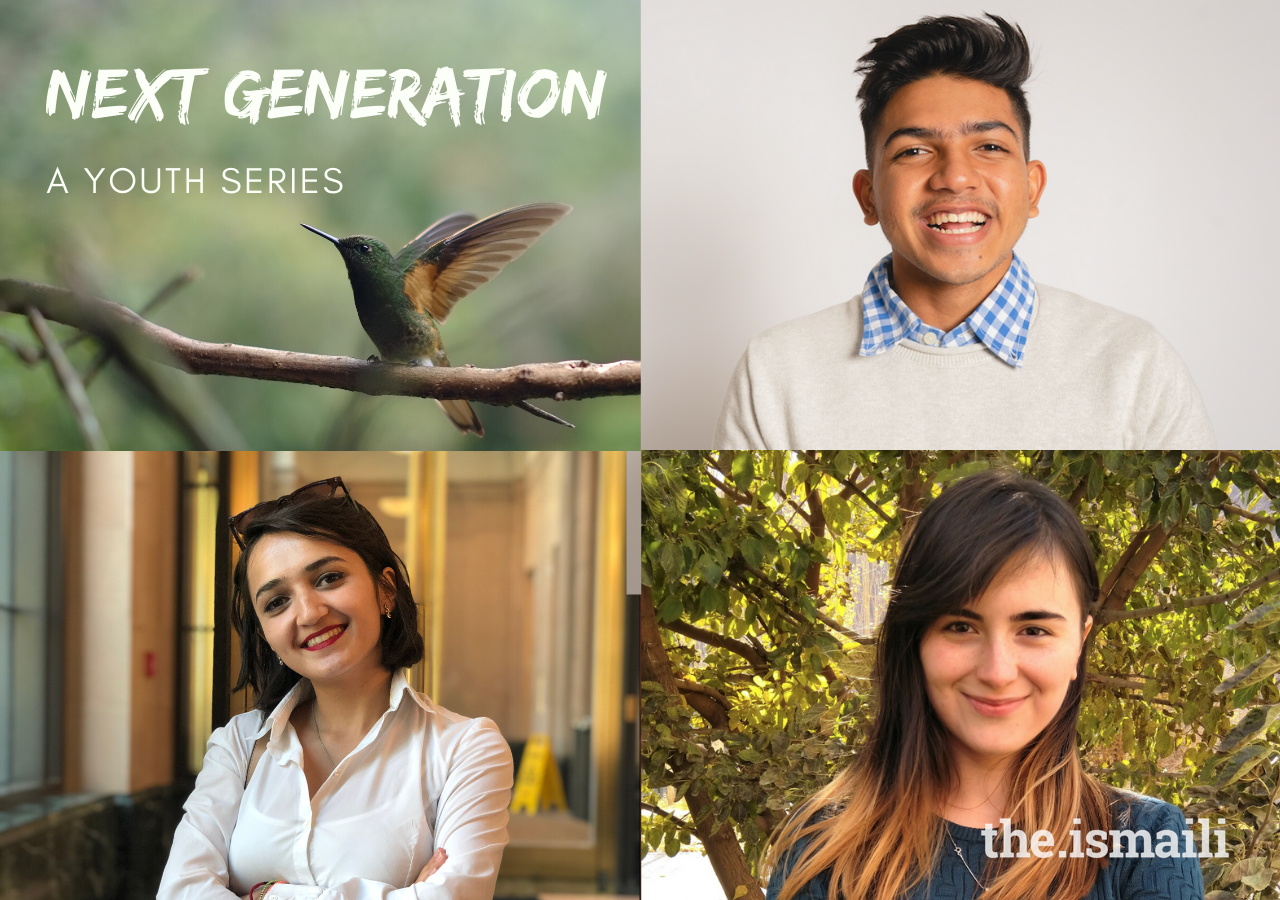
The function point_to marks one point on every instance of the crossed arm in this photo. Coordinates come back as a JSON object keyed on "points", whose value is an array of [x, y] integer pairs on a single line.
{"points": [[470, 830]]}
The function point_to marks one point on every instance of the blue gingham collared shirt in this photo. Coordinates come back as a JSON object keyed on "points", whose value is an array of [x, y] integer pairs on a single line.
{"points": [[1000, 322]]}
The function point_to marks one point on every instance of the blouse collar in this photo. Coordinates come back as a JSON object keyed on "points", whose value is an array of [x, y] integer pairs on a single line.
{"points": [[303, 691]]}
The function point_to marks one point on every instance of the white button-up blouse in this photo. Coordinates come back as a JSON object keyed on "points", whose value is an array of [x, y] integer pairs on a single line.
{"points": [[422, 778]]}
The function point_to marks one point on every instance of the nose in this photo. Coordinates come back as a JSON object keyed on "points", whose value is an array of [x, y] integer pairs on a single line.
{"points": [[999, 664], [310, 606], [954, 172]]}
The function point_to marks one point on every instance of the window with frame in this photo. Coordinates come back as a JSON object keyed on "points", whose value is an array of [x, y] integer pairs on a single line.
{"points": [[30, 627]]}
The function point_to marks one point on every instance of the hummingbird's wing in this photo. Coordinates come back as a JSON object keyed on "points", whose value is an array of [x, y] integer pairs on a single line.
{"points": [[450, 224], [454, 267]]}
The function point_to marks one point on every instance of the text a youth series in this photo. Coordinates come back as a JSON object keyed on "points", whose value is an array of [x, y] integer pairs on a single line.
{"points": [[405, 85]]}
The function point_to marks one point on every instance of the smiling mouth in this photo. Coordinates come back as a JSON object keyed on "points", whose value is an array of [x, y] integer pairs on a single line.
{"points": [[324, 638], [957, 223], [995, 707]]}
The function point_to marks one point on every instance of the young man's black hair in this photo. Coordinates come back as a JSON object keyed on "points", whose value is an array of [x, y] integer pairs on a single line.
{"points": [[994, 52]]}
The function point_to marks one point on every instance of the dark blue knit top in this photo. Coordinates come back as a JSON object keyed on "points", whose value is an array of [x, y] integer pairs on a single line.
{"points": [[1124, 878]]}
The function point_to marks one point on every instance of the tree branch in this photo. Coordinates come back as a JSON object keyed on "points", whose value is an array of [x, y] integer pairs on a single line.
{"points": [[710, 703], [837, 627], [853, 488], [729, 490], [822, 617], [818, 527], [1138, 698], [1247, 514], [1124, 580], [184, 400], [1112, 681], [1257, 832], [1078, 494], [785, 608], [742, 498], [708, 709], [28, 354], [916, 486], [683, 823], [799, 512], [686, 686], [575, 380], [175, 284], [1257, 479], [70, 382], [1106, 616], [749, 589], [1135, 542], [746, 651]]}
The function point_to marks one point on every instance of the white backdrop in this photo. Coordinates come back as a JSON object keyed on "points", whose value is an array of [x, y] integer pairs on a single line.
{"points": [[1157, 123]]}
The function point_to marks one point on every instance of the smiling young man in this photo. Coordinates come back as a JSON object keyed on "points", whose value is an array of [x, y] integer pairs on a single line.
{"points": [[952, 343]]}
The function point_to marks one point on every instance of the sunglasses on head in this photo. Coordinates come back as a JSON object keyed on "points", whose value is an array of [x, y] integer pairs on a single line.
{"points": [[316, 490]]}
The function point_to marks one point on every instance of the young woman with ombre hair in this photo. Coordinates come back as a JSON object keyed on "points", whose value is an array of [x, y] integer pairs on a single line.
{"points": [[979, 674]]}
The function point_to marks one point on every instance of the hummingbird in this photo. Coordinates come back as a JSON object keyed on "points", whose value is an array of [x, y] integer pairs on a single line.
{"points": [[402, 299]]}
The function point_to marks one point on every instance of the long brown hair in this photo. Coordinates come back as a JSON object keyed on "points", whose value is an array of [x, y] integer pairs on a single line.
{"points": [[875, 827]]}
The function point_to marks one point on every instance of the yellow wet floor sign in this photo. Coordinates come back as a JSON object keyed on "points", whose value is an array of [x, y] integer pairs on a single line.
{"points": [[538, 784]]}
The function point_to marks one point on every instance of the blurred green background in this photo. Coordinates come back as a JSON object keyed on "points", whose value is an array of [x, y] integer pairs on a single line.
{"points": [[267, 282]]}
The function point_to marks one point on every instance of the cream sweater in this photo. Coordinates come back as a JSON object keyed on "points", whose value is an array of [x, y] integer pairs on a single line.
{"points": [[1092, 377]]}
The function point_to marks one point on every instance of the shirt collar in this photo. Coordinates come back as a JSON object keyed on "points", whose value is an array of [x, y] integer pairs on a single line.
{"points": [[1000, 323], [302, 691]]}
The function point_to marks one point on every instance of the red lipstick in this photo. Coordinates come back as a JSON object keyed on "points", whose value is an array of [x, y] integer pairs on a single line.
{"points": [[339, 633]]}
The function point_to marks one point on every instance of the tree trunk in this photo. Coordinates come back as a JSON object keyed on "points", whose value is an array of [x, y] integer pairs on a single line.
{"points": [[817, 531], [723, 849], [1129, 570]]}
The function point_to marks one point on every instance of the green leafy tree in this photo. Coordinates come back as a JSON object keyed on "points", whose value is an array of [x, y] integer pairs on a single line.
{"points": [[755, 634]]}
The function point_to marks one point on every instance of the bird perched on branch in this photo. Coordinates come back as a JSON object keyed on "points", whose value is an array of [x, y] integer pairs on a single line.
{"points": [[401, 299]]}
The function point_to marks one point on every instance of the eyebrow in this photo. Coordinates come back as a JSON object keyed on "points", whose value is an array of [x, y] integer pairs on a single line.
{"points": [[966, 128], [1031, 615], [310, 567]]}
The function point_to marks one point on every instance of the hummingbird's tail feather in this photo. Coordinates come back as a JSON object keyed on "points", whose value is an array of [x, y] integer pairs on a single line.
{"points": [[462, 415], [542, 413]]}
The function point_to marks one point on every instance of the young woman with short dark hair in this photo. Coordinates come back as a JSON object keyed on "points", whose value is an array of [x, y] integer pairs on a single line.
{"points": [[343, 783]]}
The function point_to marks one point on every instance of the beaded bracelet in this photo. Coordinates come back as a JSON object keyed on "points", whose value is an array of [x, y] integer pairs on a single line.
{"points": [[266, 887]]}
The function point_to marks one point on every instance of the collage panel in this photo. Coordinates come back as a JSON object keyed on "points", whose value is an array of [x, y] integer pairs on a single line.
{"points": [[959, 674], [825, 302], [290, 226], [316, 674]]}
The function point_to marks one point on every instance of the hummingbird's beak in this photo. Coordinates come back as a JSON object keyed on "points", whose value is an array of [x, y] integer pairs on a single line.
{"points": [[327, 237]]}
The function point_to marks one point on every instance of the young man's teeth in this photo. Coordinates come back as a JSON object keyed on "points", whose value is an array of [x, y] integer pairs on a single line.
{"points": [[321, 638], [937, 220]]}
